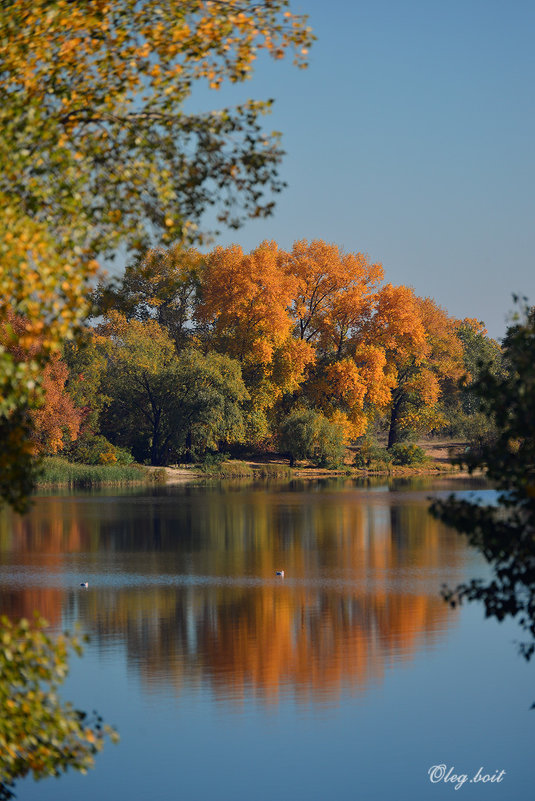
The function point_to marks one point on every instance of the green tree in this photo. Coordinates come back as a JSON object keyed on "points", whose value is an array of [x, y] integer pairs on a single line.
{"points": [[163, 403], [38, 733], [462, 405], [505, 532]]}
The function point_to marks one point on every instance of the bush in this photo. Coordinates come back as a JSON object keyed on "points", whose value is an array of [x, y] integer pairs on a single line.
{"points": [[213, 461], [407, 453], [306, 434], [96, 449], [329, 448], [372, 457]]}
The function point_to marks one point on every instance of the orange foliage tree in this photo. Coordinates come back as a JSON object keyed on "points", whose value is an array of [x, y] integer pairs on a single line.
{"points": [[57, 420], [334, 297], [421, 350], [244, 312], [334, 292]]}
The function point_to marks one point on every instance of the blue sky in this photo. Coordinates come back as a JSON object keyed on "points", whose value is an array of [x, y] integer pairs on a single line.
{"points": [[410, 137]]}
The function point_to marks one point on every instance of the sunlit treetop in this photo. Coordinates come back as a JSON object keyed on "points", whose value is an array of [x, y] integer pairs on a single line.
{"points": [[95, 137]]}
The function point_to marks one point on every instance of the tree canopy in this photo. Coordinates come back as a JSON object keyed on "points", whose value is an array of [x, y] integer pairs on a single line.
{"points": [[96, 140], [161, 402], [309, 329]]}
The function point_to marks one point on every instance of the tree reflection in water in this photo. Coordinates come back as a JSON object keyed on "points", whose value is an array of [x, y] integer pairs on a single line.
{"points": [[185, 582]]}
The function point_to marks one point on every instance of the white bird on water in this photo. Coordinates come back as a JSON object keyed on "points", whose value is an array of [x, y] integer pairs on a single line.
{"points": [[84, 584], [280, 573]]}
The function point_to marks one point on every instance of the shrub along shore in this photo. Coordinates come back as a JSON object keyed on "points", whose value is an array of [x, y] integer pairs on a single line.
{"points": [[58, 472]]}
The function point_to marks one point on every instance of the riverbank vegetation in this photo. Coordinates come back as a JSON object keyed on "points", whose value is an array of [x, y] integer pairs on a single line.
{"points": [[504, 532], [306, 353], [58, 472]]}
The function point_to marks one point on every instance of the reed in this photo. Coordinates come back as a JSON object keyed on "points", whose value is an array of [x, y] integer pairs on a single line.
{"points": [[233, 469], [279, 471], [58, 472]]}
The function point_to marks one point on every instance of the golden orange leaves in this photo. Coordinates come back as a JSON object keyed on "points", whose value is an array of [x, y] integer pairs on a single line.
{"points": [[315, 321]]}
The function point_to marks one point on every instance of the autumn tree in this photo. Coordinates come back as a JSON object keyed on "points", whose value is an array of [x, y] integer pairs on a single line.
{"points": [[334, 295], [98, 151], [243, 310], [57, 421], [92, 108], [334, 292], [421, 351], [42, 301]]}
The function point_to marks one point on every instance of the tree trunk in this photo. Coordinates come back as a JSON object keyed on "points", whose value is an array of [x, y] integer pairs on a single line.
{"points": [[393, 431], [155, 455], [189, 445]]}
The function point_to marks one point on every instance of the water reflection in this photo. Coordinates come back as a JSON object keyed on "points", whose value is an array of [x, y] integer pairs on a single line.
{"points": [[183, 582]]}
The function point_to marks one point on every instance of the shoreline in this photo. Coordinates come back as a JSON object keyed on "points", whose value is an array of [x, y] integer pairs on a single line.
{"points": [[439, 454]]}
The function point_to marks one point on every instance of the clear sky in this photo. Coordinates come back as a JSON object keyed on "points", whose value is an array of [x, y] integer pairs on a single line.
{"points": [[410, 137]]}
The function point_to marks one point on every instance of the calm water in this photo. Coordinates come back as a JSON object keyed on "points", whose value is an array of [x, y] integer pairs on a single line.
{"points": [[347, 679]]}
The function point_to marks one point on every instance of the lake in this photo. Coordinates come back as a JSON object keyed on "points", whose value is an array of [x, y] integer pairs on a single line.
{"points": [[349, 678]]}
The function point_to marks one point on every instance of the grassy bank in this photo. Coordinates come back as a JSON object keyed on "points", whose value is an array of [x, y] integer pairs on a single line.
{"points": [[59, 472], [247, 470]]}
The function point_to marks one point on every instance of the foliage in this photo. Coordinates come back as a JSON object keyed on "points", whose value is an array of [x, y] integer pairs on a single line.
{"points": [[164, 403], [407, 453], [461, 405], [57, 421], [307, 434], [97, 151], [334, 292], [18, 467], [38, 733], [86, 364], [92, 107], [161, 285], [421, 351], [243, 312], [330, 444], [96, 449], [213, 461], [197, 352], [371, 456], [42, 301], [504, 533]]}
